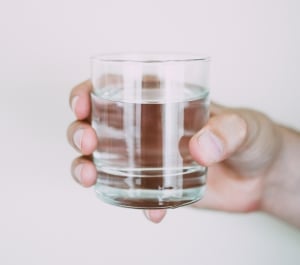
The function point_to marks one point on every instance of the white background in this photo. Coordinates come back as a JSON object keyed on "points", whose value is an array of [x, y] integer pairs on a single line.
{"points": [[45, 217]]}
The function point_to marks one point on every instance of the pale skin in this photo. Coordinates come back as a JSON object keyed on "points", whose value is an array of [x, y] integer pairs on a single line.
{"points": [[254, 163]]}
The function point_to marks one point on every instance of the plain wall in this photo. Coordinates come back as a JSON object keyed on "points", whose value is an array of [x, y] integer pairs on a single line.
{"points": [[46, 218]]}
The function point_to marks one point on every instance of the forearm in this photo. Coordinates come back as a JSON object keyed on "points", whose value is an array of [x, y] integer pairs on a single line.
{"points": [[281, 196]]}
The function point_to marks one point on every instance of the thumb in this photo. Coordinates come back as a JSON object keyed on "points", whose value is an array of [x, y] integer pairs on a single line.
{"points": [[222, 136]]}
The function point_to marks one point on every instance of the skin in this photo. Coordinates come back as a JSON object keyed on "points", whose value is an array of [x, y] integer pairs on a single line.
{"points": [[253, 162]]}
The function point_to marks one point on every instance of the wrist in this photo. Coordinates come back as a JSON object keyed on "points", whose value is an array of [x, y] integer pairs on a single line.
{"points": [[281, 189]]}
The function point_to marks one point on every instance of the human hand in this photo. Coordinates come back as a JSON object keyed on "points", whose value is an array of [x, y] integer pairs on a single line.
{"points": [[239, 146], [253, 164]]}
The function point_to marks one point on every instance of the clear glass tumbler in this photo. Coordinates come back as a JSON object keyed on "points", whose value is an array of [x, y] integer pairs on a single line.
{"points": [[145, 109]]}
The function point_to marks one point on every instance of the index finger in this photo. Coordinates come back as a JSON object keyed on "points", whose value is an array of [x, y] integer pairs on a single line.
{"points": [[80, 101]]}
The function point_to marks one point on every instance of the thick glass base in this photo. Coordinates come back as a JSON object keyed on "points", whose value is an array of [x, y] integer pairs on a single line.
{"points": [[149, 199], [151, 189]]}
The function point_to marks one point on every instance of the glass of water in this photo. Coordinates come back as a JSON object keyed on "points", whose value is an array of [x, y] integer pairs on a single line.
{"points": [[145, 109]]}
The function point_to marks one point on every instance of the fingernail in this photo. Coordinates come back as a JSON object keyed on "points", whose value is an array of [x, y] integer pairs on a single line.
{"points": [[147, 215], [73, 103], [156, 215], [77, 172], [210, 145], [77, 138]]}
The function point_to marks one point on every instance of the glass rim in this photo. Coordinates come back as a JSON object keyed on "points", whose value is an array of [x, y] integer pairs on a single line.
{"points": [[149, 57]]}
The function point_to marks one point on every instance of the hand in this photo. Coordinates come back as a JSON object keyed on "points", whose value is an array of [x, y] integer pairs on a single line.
{"points": [[241, 148]]}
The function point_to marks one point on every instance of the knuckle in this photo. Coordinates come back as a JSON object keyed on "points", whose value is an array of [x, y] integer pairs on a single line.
{"points": [[238, 124]]}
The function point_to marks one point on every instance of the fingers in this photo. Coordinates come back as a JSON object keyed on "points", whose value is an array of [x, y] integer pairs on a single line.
{"points": [[80, 100], [155, 216], [82, 137], [222, 136], [84, 171]]}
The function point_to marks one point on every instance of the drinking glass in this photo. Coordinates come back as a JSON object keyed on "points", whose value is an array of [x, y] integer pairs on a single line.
{"points": [[145, 109]]}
